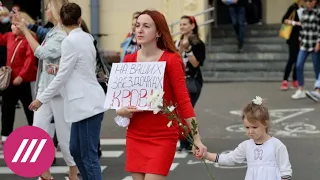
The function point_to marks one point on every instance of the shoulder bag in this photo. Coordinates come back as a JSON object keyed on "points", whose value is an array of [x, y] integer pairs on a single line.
{"points": [[5, 72]]}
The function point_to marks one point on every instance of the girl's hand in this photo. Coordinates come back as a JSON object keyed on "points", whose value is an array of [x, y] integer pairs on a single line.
{"points": [[127, 111], [197, 154], [201, 150]]}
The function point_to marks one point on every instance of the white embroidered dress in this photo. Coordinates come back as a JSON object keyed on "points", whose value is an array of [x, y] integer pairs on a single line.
{"points": [[269, 161]]}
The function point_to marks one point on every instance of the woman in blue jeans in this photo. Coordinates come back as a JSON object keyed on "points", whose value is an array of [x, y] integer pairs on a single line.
{"points": [[82, 94], [41, 32], [315, 95], [237, 11], [309, 44]]}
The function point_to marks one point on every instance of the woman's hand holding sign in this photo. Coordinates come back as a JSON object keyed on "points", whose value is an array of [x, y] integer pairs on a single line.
{"points": [[127, 111], [124, 115]]}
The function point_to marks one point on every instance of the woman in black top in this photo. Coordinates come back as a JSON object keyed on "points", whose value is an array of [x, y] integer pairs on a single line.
{"points": [[293, 44], [193, 53]]}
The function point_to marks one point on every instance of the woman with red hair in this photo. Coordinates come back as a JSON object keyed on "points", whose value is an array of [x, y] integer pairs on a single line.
{"points": [[150, 144]]}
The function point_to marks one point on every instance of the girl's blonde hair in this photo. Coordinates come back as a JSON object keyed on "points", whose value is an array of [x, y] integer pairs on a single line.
{"points": [[55, 6], [4, 12], [256, 113]]}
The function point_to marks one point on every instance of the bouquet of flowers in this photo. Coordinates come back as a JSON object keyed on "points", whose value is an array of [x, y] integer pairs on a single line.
{"points": [[158, 104]]}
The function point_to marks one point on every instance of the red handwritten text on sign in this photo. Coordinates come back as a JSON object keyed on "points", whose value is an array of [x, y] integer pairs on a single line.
{"points": [[130, 84]]}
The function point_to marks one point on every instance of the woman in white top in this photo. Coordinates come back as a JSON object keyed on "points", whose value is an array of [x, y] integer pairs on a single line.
{"points": [[266, 156], [49, 52], [82, 94]]}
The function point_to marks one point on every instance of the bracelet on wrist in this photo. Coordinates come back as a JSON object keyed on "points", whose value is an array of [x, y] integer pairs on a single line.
{"points": [[189, 53], [217, 159]]}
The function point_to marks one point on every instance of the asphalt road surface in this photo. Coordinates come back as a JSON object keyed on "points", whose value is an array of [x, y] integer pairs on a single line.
{"points": [[295, 122]]}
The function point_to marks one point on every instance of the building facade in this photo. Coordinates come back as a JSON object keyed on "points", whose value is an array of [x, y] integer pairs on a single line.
{"points": [[115, 15]]}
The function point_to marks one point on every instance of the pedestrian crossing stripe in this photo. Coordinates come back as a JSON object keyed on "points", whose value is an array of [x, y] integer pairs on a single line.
{"points": [[113, 141], [105, 154], [118, 142], [128, 178], [116, 154], [53, 170], [173, 167]]}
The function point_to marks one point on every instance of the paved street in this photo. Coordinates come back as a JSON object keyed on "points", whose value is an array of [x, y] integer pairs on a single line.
{"points": [[296, 123]]}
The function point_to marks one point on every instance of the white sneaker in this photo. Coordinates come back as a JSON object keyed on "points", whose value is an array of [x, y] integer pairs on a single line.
{"points": [[299, 94], [314, 95]]}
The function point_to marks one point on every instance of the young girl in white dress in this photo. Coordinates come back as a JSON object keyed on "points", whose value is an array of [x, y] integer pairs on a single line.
{"points": [[266, 156]]}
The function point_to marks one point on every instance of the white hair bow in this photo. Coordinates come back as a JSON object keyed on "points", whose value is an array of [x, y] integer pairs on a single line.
{"points": [[257, 100]]}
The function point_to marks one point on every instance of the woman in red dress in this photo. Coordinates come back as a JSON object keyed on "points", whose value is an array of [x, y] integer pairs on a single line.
{"points": [[150, 144]]}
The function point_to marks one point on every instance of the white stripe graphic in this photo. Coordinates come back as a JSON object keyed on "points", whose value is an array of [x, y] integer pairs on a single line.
{"points": [[38, 151], [21, 148], [29, 150]]}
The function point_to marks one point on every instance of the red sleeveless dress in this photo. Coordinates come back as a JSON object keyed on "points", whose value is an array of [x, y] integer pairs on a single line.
{"points": [[150, 144]]}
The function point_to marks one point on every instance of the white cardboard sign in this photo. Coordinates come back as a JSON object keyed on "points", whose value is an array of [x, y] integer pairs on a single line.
{"points": [[130, 84]]}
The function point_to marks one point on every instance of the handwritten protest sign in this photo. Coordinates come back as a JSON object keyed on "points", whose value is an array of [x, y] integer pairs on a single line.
{"points": [[130, 84]]}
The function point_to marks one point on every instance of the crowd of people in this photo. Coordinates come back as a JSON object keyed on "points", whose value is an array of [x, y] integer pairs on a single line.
{"points": [[70, 89], [304, 40], [36, 54]]}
